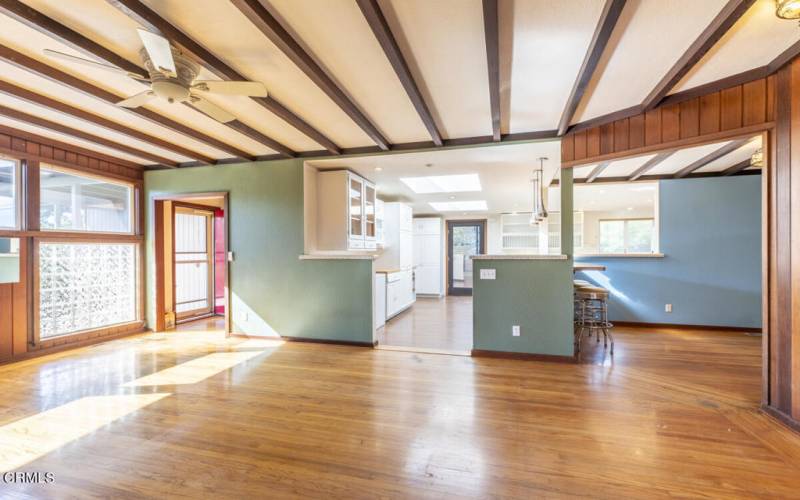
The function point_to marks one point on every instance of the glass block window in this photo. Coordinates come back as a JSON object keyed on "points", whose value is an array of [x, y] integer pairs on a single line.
{"points": [[83, 286], [9, 194], [72, 202]]}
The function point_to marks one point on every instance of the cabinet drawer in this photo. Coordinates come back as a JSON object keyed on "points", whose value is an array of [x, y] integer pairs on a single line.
{"points": [[357, 243]]}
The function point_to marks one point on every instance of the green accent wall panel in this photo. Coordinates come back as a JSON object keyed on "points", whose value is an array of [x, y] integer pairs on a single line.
{"points": [[272, 291], [534, 294]]}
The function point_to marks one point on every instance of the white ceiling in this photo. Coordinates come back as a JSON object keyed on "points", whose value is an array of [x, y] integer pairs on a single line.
{"points": [[543, 43], [634, 196], [675, 162], [505, 173]]}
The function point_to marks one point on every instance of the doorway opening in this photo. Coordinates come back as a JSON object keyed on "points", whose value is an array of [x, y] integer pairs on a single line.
{"points": [[465, 239], [191, 259]]}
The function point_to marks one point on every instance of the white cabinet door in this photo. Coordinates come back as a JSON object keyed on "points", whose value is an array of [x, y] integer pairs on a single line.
{"points": [[379, 297], [428, 280], [429, 250], [406, 245], [393, 299], [408, 289], [431, 226]]}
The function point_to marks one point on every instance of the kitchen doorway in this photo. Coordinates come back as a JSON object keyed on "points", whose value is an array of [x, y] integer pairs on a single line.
{"points": [[193, 261], [465, 238]]}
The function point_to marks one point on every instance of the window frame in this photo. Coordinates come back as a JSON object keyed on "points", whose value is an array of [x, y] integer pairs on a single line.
{"points": [[18, 193], [132, 198], [625, 220]]}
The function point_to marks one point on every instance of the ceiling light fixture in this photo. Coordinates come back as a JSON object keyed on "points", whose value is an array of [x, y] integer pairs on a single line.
{"points": [[757, 160], [378, 169], [443, 183], [787, 9], [539, 212], [459, 206]]}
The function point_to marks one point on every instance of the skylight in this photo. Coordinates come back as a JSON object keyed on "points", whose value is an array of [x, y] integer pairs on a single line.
{"points": [[459, 206], [443, 183]]}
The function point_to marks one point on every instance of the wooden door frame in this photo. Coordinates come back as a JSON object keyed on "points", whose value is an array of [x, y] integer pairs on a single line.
{"points": [[156, 201], [449, 224]]}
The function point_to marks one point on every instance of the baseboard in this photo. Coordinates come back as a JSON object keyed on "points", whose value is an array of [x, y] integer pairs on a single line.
{"points": [[687, 327], [782, 418], [483, 353], [352, 343]]}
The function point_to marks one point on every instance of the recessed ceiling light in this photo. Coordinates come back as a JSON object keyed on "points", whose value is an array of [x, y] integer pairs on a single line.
{"points": [[452, 197], [378, 169], [443, 183], [458, 206], [630, 208]]}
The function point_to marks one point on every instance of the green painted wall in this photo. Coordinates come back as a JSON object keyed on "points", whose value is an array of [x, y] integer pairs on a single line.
{"points": [[534, 294], [271, 289]]}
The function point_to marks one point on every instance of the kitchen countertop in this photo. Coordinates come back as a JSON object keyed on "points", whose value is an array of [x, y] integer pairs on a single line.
{"points": [[338, 256], [518, 257]]}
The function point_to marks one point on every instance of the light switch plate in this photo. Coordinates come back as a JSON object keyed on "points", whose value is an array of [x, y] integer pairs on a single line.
{"points": [[488, 274], [515, 330], [230, 256]]}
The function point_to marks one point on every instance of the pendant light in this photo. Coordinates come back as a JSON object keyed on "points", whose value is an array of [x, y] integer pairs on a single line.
{"points": [[787, 9], [539, 212]]}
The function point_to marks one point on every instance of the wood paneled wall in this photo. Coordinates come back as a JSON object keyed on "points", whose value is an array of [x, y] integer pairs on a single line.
{"points": [[782, 348], [16, 321], [18, 143], [735, 111]]}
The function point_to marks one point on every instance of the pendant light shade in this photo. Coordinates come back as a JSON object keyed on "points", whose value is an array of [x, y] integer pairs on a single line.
{"points": [[539, 212]]}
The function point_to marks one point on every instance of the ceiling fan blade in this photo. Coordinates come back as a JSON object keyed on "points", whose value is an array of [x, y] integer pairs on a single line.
{"points": [[211, 109], [252, 89], [158, 49], [137, 100], [88, 62]]}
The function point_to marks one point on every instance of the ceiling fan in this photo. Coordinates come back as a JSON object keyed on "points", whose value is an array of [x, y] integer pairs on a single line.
{"points": [[172, 78]]}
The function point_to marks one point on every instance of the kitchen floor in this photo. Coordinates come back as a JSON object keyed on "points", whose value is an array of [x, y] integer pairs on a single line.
{"points": [[431, 324]]}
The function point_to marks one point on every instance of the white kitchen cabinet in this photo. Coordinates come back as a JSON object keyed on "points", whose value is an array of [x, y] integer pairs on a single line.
{"points": [[428, 250], [346, 214], [399, 292]]}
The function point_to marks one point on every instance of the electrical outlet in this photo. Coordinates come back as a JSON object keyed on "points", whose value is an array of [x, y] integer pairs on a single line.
{"points": [[668, 308], [515, 330]]}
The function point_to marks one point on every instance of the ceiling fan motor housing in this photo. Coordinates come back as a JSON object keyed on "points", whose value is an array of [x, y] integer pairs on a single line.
{"points": [[172, 88]]}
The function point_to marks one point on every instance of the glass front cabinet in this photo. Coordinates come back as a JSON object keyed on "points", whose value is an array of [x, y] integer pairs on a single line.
{"points": [[346, 211]]}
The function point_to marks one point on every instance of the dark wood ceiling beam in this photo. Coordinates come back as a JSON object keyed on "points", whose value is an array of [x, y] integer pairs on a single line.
{"points": [[661, 177], [43, 70], [377, 22], [51, 104], [491, 31], [723, 21], [737, 168], [63, 129], [602, 34], [52, 28], [257, 14], [714, 155], [649, 165], [149, 19], [596, 172]]}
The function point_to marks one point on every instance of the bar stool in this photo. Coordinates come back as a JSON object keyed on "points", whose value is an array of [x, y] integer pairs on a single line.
{"points": [[592, 304]]}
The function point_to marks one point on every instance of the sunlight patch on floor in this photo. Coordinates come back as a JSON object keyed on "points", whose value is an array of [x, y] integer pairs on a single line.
{"points": [[32, 437]]}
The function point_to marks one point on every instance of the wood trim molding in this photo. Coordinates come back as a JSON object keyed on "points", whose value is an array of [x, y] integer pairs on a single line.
{"points": [[351, 343], [261, 18], [638, 324], [602, 34], [51, 73], [720, 25], [483, 353], [28, 146], [377, 22], [491, 31]]}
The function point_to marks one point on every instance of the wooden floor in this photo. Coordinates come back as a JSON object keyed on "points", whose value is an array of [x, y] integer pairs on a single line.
{"points": [[195, 415], [443, 324]]}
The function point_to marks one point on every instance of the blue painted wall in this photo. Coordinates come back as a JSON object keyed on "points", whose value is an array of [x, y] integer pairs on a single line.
{"points": [[711, 272]]}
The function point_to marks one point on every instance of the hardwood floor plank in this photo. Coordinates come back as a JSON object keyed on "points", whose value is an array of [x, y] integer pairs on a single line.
{"points": [[674, 413]]}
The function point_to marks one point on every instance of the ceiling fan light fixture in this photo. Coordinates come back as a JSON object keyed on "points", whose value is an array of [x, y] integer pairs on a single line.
{"points": [[787, 9]]}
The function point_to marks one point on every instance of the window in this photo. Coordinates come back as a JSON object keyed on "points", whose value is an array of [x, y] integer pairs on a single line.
{"points": [[626, 236], [83, 286], [73, 202], [9, 194], [518, 233]]}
